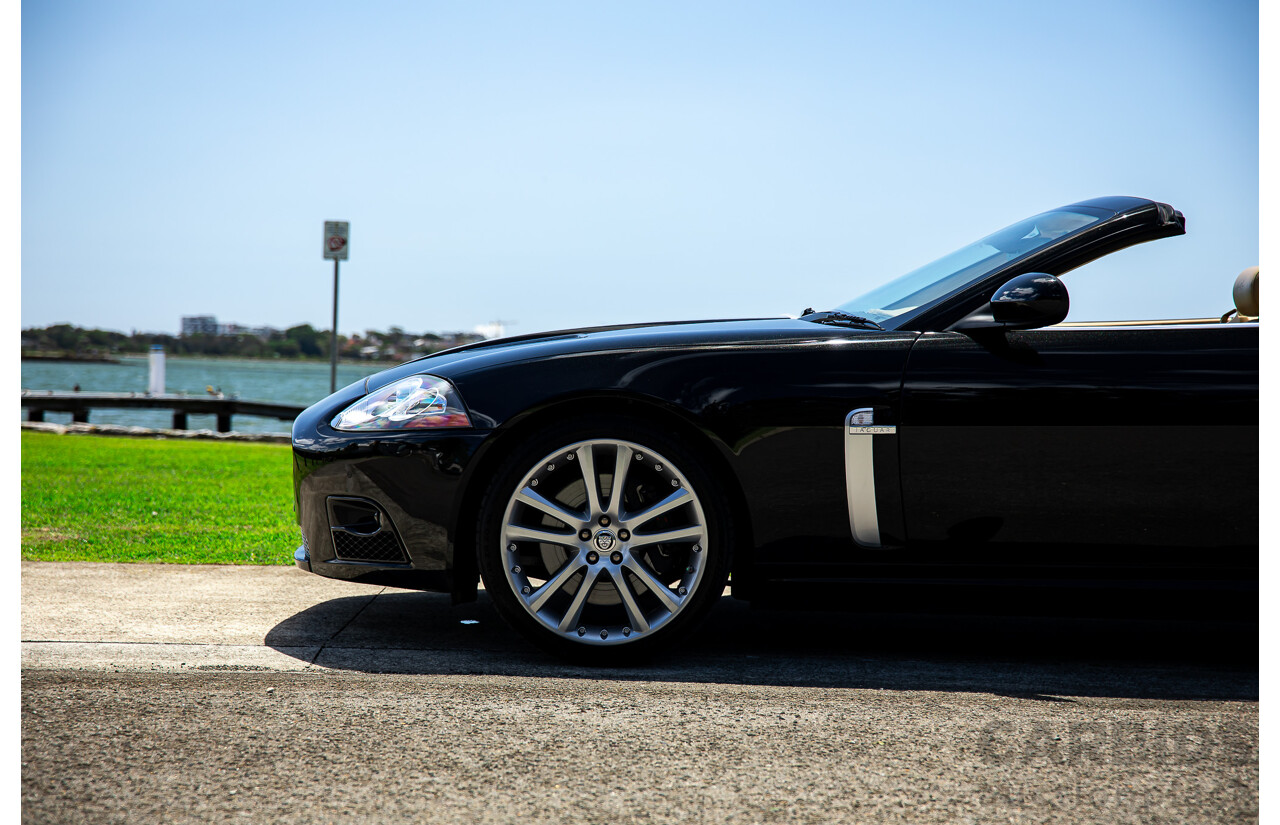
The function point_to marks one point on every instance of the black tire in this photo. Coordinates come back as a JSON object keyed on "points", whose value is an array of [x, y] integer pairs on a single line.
{"points": [[642, 593]]}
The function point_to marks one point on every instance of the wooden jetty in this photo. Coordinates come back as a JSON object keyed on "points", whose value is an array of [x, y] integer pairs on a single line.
{"points": [[39, 402]]}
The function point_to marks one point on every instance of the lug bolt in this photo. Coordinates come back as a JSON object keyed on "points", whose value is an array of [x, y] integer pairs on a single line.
{"points": [[585, 535], [582, 631], [658, 467], [604, 521], [697, 548], [604, 634], [526, 590], [675, 482], [569, 457], [683, 590], [550, 467], [593, 557], [624, 534], [639, 457], [516, 569], [616, 558], [533, 483], [511, 547], [626, 631]]}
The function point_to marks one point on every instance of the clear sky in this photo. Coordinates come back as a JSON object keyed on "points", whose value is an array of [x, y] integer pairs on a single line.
{"points": [[564, 164]]}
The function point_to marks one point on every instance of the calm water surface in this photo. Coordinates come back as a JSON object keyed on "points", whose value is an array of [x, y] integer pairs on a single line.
{"points": [[282, 382]]}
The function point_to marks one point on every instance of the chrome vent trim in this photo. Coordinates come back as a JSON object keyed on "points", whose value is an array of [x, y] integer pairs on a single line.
{"points": [[860, 474]]}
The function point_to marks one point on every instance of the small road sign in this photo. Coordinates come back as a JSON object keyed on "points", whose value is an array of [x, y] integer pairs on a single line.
{"points": [[335, 240], [336, 234]]}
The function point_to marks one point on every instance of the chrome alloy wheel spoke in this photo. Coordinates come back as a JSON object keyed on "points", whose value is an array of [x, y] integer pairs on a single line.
{"points": [[669, 599], [682, 534], [528, 495], [574, 612], [539, 598], [621, 461], [680, 497], [634, 614], [516, 532], [587, 462]]}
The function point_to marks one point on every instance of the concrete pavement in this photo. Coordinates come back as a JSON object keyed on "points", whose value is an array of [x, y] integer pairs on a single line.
{"points": [[158, 693]]}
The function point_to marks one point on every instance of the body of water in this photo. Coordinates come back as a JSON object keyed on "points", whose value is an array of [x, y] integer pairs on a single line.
{"points": [[278, 381]]}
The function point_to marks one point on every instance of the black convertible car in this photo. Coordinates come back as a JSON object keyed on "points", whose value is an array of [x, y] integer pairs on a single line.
{"points": [[945, 437]]}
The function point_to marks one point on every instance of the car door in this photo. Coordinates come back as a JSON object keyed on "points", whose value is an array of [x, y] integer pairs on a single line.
{"points": [[1083, 444]]}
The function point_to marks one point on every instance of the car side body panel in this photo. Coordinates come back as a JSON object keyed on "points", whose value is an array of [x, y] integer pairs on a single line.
{"points": [[1100, 445]]}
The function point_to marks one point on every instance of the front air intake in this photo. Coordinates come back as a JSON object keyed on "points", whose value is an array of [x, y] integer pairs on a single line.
{"points": [[362, 531]]}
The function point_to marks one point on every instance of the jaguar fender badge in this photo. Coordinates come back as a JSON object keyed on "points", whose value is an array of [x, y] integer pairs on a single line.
{"points": [[862, 422]]}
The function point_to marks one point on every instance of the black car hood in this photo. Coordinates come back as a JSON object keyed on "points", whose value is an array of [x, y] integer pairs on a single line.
{"points": [[753, 332]]}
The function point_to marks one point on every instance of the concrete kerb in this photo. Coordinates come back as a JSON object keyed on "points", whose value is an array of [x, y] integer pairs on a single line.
{"points": [[96, 616], [103, 616]]}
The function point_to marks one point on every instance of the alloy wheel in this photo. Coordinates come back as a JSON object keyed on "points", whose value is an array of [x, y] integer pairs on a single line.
{"points": [[603, 542]]}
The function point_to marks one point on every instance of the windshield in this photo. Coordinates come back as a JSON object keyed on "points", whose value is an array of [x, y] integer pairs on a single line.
{"points": [[965, 266]]}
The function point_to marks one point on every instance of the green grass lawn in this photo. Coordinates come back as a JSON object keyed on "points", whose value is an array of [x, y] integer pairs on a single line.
{"points": [[99, 498]]}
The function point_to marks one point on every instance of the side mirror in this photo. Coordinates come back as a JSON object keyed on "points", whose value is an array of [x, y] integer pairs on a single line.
{"points": [[1028, 301]]}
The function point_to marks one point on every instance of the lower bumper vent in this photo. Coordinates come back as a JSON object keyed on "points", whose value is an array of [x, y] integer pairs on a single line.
{"points": [[378, 547], [362, 532]]}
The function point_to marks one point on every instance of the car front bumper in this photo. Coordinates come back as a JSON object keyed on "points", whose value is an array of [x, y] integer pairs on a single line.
{"points": [[379, 507]]}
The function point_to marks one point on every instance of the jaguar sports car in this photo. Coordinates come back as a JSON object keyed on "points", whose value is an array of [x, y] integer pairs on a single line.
{"points": [[944, 437]]}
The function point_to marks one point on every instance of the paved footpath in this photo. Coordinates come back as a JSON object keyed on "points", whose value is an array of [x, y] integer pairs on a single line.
{"points": [[166, 693]]}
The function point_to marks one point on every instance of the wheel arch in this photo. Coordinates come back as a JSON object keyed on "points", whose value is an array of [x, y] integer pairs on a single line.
{"points": [[507, 438]]}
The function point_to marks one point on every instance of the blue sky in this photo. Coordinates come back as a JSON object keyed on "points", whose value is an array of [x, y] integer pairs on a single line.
{"points": [[562, 164]]}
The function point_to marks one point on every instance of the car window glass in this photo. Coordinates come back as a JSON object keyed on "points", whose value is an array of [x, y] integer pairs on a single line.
{"points": [[964, 266]]}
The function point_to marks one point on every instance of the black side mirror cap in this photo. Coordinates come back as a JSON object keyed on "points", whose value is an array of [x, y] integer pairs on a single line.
{"points": [[1030, 301]]}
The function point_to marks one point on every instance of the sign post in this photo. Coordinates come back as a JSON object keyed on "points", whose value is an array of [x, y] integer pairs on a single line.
{"points": [[336, 234]]}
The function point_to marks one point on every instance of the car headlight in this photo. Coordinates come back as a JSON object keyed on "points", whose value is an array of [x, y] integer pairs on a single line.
{"points": [[418, 402]]}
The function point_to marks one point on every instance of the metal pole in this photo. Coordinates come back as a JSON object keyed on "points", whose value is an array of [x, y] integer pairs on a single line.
{"points": [[333, 335]]}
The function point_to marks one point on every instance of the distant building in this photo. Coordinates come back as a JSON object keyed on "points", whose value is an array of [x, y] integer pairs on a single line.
{"points": [[199, 325], [239, 329], [208, 325]]}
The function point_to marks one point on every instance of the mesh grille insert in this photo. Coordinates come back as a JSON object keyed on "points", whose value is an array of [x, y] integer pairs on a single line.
{"points": [[381, 546]]}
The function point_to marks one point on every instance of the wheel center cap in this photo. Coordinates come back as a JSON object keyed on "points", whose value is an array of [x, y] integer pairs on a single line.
{"points": [[605, 541]]}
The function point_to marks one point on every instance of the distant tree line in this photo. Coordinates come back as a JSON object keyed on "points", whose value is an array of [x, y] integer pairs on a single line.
{"points": [[302, 341]]}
